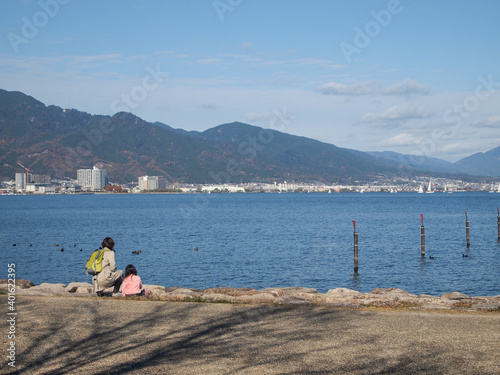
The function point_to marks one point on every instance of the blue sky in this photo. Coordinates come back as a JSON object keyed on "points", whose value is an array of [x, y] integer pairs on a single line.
{"points": [[416, 77]]}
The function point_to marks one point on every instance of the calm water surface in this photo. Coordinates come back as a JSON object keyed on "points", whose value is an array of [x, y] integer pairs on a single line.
{"points": [[261, 240]]}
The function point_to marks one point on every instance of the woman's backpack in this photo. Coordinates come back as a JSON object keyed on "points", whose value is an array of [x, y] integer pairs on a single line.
{"points": [[94, 264]]}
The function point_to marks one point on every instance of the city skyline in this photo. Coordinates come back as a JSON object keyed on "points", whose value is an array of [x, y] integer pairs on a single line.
{"points": [[405, 76]]}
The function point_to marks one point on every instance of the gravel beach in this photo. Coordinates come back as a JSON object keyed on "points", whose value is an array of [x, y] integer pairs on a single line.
{"points": [[85, 335]]}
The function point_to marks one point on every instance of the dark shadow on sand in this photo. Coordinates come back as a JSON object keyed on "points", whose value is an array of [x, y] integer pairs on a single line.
{"points": [[160, 337]]}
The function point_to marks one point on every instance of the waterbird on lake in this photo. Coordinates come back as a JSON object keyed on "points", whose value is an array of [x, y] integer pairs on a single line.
{"points": [[14, 244], [81, 249], [465, 256], [195, 249], [31, 245], [431, 257], [136, 251], [62, 248], [56, 245]]}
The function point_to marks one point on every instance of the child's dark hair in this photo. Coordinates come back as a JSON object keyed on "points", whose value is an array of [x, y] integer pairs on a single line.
{"points": [[130, 270]]}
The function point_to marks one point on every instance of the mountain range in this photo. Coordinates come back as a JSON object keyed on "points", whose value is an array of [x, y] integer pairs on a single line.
{"points": [[56, 141]]}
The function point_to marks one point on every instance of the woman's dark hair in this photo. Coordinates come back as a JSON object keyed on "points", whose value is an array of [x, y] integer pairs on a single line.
{"points": [[109, 243], [130, 270]]}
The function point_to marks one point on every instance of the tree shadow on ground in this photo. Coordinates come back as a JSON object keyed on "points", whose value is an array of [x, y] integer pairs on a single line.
{"points": [[107, 336]]}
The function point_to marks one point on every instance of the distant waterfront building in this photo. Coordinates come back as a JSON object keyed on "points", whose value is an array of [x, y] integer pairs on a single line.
{"points": [[40, 188], [92, 179], [40, 178], [20, 181], [99, 178], [152, 183], [287, 186], [222, 188], [84, 178]]}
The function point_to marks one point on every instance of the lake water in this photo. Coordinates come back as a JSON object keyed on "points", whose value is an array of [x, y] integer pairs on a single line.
{"points": [[261, 240]]}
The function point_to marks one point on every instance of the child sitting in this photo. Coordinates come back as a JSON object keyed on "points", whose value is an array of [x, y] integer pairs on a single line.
{"points": [[132, 284]]}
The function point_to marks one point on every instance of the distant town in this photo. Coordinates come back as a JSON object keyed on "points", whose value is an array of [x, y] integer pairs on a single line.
{"points": [[96, 181]]}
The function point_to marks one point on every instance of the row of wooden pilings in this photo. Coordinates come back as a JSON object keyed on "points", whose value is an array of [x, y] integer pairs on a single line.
{"points": [[422, 236]]}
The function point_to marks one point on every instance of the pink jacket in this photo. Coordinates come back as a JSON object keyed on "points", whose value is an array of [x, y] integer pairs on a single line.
{"points": [[132, 284]]}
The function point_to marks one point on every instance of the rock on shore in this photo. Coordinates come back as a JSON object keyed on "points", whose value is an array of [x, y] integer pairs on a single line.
{"points": [[338, 297]]}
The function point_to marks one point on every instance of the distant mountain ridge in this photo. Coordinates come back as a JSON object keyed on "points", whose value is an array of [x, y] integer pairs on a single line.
{"points": [[481, 163], [49, 139], [486, 164], [420, 162]]}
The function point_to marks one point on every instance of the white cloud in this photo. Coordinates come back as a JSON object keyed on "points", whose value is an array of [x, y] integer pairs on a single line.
{"points": [[210, 61], [263, 116], [462, 149], [356, 89], [490, 122], [404, 139], [208, 105], [322, 62], [396, 113], [406, 88], [247, 46], [93, 58], [277, 114]]}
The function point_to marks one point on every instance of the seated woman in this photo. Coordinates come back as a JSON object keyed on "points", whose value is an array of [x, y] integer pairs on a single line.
{"points": [[132, 284], [109, 276]]}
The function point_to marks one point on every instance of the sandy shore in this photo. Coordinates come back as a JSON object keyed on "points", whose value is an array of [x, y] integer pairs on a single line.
{"points": [[85, 335]]}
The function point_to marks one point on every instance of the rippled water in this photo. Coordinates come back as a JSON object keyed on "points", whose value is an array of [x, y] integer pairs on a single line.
{"points": [[261, 240]]}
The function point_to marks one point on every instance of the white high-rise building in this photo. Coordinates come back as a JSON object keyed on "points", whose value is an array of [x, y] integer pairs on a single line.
{"points": [[92, 179], [84, 178], [20, 181], [152, 182], [99, 178]]}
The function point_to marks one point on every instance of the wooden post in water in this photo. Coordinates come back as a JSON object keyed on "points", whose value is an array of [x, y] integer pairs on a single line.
{"points": [[498, 220], [355, 248], [422, 236], [467, 229]]}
